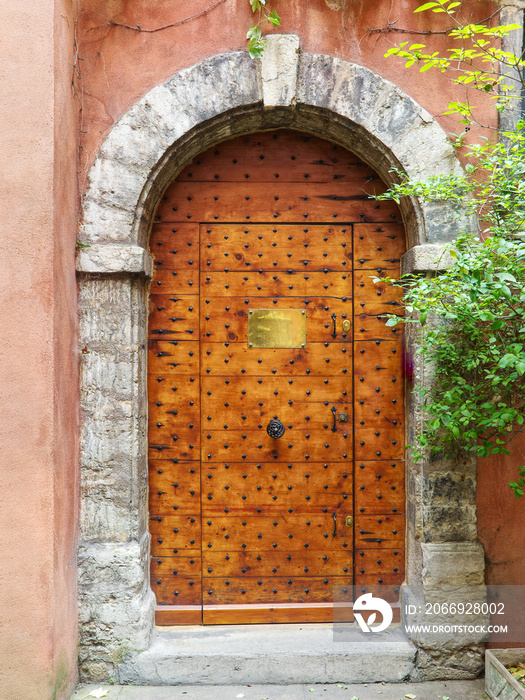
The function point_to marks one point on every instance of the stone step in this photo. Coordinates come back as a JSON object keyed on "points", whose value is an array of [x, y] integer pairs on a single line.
{"points": [[278, 654]]}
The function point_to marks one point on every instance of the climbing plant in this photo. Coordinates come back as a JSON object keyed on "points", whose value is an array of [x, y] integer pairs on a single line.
{"points": [[256, 43], [476, 59], [473, 313]]}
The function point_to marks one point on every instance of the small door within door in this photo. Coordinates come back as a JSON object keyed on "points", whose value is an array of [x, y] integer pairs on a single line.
{"points": [[252, 322]]}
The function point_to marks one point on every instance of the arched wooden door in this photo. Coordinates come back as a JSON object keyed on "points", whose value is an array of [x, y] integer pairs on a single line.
{"points": [[262, 307]]}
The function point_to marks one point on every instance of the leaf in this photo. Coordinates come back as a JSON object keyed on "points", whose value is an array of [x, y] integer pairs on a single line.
{"points": [[426, 6], [253, 32], [410, 696], [98, 693]]}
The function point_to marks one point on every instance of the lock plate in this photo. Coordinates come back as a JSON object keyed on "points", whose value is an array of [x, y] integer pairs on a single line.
{"points": [[346, 326], [349, 521]]}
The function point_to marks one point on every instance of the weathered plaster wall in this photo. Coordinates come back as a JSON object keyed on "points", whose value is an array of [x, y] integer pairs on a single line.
{"points": [[501, 516], [120, 65], [38, 351]]}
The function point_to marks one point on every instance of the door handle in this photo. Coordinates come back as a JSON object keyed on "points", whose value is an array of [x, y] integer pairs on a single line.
{"points": [[334, 516], [334, 428], [334, 333], [275, 428]]}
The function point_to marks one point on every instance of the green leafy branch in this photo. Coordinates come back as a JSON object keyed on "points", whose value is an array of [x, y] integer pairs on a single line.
{"points": [[477, 62], [473, 314], [256, 43]]}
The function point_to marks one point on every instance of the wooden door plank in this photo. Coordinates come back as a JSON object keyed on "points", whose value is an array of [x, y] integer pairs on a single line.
{"points": [[267, 614], [174, 356], [378, 244], [282, 156], [379, 531], [374, 562], [172, 316], [313, 475], [378, 498], [295, 445], [316, 359], [171, 615], [300, 415], [183, 589], [167, 415], [165, 238], [176, 532], [370, 327], [368, 400], [300, 589], [385, 357], [366, 289], [378, 443], [264, 503], [176, 429], [238, 248], [274, 563], [188, 564], [275, 283], [173, 484], [180, 281], [172, 392], [261, 202], [332, 391], [291, 532]]}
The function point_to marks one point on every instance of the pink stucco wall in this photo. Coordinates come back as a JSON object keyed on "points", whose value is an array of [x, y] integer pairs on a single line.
{"points": [[38, 352], [118, 65]]}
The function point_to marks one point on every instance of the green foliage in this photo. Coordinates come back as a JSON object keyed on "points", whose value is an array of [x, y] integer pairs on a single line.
{"points": [[476, 338], [477, 62], [256, 43], [473, 314]]}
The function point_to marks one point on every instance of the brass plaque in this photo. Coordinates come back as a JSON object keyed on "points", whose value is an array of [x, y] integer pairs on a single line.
{"points": [[276, 328]]}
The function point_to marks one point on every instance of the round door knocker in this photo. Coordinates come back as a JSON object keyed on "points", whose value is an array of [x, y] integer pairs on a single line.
{"points": [[275, 428]]}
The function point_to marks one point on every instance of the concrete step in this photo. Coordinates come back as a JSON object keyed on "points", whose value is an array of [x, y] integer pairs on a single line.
{"points": [[277, 654]]}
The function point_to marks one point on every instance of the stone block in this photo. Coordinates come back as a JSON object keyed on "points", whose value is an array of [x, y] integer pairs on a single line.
{"points": [[279, 66], [453, 563], [280, 654], [425, 258], [105, 222], [108, 259]]}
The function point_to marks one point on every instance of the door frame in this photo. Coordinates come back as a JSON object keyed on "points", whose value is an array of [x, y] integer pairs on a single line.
{"points": [[219, 98]]}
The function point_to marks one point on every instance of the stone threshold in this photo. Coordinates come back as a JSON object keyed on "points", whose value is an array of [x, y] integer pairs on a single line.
{"points": [[278, 654]]}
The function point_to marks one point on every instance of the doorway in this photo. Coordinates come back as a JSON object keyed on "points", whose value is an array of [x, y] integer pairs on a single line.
{"points": [[263, 310]]}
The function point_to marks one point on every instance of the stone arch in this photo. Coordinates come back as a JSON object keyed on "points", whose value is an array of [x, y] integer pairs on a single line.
{"points": [[214, 100]]}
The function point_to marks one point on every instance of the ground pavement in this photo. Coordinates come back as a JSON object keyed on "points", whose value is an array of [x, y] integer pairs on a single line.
{"points": [[436, 690]]}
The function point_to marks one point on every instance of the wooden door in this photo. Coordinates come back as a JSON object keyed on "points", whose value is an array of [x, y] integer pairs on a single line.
{"points": [[246, 527]]}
